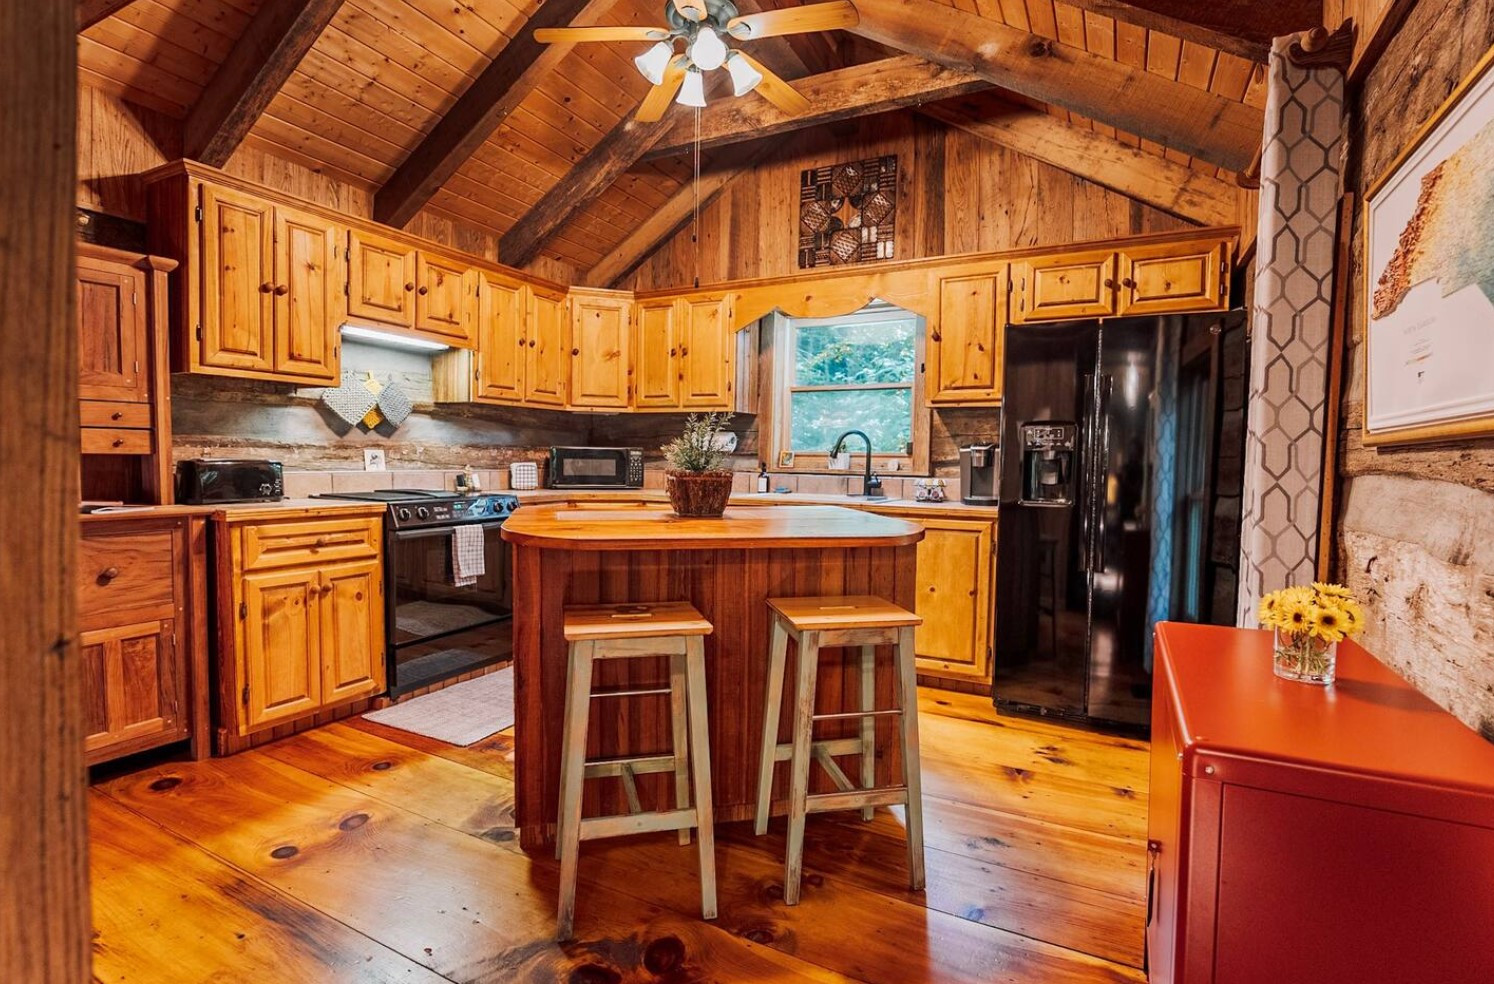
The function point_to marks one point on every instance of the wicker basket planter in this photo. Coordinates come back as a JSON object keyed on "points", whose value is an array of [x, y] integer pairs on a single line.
{"points": [[698, 494]]}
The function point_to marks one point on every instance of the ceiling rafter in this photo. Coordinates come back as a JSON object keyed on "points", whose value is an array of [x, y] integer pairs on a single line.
{"points": [[518, 68], [277, 38], [1140, 175], [90, 12], [1240, 27], [1174, 114]]}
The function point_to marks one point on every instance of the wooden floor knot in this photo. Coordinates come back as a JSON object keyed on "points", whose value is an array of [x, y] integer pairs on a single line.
{"points": [[664, 955], [353, 821], [284, 852], [165, 783]]}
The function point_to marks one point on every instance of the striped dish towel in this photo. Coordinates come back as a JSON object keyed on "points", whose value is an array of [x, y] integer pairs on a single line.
{"points": [[467, 562]]}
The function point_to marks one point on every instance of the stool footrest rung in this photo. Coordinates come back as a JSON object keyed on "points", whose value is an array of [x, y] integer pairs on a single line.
{"points": [[833, 746], [595, 828], [639, 765], [843, 715], [623, 692], [855, 799]]}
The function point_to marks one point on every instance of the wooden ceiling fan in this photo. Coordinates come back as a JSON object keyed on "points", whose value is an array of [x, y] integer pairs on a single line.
{"points": [[705, 26]]}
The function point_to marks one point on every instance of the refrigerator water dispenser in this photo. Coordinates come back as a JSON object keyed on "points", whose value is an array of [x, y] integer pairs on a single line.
{"points": [[1047, 463]]}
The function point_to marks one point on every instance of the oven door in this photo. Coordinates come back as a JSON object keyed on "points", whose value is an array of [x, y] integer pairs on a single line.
{"points": [[438, 630], [588, 468]]}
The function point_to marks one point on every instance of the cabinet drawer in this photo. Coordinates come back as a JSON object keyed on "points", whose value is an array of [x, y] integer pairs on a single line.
{"points": [[96, 413], [115, 440], [313, 542], [127, 573]]}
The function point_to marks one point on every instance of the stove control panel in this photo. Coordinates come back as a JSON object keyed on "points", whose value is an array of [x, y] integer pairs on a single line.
{"points": [[452, 512]]}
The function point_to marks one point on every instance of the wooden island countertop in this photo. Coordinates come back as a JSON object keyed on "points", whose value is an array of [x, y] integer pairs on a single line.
{"points": [[613, 526], [641, 553]]}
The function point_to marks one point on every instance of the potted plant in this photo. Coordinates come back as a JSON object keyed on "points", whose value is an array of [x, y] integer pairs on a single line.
{"points": [[696, 477]]}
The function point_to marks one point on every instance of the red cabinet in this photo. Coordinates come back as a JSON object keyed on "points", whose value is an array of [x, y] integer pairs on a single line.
{"points": [[1298, 833]]}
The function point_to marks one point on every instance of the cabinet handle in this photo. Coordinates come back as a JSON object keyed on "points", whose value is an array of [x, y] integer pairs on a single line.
{"points": [[116, 415], [521, 343], [1128, 283], [326, 589], [409, 287], [108, 574], [1110, 283], [423, 291], [936, 336], [119, 442], [266, 287], [531, 343], [281, 290], [575, 351]]}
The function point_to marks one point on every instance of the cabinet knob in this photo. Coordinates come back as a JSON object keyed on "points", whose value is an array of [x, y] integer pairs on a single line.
{"points": [[116, 415], [423, 291], [108, 574], [410, 286], [119, 442], [326, 589], [266, 287], [1110, 283], [281, 290], [575, 351], [936, 336], [531, 343], [1129, 284], [521, 343]]}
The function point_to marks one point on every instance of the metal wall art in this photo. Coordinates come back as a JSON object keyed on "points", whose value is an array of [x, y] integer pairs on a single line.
{"points": [[848, 213]]}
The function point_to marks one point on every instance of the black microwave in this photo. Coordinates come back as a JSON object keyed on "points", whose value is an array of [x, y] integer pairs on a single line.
{"points": [[595, 468], [209, 481]]}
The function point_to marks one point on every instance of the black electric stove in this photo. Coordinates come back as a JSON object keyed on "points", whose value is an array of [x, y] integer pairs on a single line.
{"points": [[437, 629]]}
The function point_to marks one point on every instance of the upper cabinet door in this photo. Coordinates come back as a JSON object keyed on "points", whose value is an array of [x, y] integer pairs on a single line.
{"points": [[1168, 279], [1064, 286], [444, 298], [547, 350], [656, 372], [599, 349], [113, 357], [352, 624], [965, 339], [502, 339], [238, 282], [708, 351], [308, 295], [381, 280]]}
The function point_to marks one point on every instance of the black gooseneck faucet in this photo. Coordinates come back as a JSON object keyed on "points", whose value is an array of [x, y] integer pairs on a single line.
{"points": [[871, 485]]}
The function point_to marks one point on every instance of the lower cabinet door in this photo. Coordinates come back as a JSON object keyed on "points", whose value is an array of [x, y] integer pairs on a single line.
{"points": [[954, 598], [280, 651], [133, 689], [352, 632]]}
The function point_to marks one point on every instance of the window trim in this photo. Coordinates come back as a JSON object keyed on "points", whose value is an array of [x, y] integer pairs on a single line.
{"points": [[782, 329]]}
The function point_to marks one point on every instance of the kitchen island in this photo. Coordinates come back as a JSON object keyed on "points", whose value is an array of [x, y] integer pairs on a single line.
{"points": [[582, 553]]}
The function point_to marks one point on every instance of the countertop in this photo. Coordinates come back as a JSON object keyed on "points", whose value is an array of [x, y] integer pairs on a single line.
{"points": [[952, 510], [652, 526], [283, 509]]}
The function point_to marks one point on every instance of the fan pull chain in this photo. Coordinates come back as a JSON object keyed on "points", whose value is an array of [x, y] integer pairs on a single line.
{"points": [[695, 210]]}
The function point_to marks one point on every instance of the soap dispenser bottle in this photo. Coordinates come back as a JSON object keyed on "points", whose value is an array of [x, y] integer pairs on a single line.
{"points": [[762, 476]]}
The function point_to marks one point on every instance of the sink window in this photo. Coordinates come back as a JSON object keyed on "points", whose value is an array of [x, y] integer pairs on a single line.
{"points": [[853, 372]]}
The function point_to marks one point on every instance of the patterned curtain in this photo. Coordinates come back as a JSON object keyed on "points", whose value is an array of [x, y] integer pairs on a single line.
{"points": [[1301, 183]]}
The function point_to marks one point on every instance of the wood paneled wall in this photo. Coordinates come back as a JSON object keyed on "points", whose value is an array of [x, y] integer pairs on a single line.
{"points": [[956, 194], [1416, 527]]}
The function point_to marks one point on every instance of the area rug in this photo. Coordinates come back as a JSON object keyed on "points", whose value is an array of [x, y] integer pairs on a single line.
{"points": [[461, 715]]}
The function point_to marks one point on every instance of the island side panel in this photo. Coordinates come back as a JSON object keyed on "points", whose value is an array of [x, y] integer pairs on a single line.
{"points": [[729, 587]]}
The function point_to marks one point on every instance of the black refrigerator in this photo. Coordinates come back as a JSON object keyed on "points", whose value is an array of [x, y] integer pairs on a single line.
{"points": [[1121, 449]]}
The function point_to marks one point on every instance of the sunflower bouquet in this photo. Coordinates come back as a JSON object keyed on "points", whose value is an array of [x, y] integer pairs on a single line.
{"points": [[1310, 622]]}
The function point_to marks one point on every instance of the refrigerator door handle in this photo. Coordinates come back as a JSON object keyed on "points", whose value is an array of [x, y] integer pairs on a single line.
{"points": [[1102, 469], [1085, 482]]}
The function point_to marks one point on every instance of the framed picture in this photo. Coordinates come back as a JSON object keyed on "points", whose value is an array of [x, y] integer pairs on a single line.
{"points": [[1429, 277]]}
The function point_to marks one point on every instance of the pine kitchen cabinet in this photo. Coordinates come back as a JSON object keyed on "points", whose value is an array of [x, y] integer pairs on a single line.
{"points": [[685, 353], [1064, 287], [548, 351], [601, 354], [656, 359], [964, 338], [301, 624], [1169, 280], [1169, 277], [143, 643], [381, 279], [445, 297]]}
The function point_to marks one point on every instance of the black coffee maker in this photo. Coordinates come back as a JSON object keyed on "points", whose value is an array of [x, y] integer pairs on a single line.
{"points": [[978, 475]]}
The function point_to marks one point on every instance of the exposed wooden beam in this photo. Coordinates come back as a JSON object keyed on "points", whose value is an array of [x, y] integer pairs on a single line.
{"points": [[1182, 117], [861, 90], [673, 215], [1145, 177], [520, 66], [619, 150], [277, 38], [90, 12], [1240, 27]]}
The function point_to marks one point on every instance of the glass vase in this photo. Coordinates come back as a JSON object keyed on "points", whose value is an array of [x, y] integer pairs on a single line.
{"points": [[1301, 657]]}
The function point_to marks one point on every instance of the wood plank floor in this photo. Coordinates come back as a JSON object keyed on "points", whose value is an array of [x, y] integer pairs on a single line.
{"points": [[361, 853]]}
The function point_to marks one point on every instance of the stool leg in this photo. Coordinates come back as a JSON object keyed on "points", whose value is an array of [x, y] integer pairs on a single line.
{"points": [[809, 661], [678, 714], [700, 761], [907, 696], [772, 703], [572, 772], [868, 725]]}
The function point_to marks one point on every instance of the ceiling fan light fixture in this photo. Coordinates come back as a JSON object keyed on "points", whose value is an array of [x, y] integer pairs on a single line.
{"points": [[692, 92], [708, 51], [651, 63], [744, 78]]}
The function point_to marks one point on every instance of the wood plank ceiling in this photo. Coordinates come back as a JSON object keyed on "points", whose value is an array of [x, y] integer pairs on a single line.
{"points": [[384, 72]]}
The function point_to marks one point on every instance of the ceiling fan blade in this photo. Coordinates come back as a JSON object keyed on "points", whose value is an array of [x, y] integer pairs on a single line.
{"points": [[691, 10], [778, 92], [657, 101], [837, 15], [571, 35]]}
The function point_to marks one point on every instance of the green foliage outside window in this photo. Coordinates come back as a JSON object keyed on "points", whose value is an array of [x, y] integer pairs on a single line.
{"points": [[862, 378]]}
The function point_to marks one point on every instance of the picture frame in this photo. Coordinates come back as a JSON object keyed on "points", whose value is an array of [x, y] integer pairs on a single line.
{"points": [[1428, 284]]}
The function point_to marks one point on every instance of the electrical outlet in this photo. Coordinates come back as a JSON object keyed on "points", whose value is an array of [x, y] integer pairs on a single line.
{"points": [[373, 459]]}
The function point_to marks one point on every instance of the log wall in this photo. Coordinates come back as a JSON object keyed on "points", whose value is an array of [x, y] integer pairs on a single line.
{"points": [[1415, 532]]}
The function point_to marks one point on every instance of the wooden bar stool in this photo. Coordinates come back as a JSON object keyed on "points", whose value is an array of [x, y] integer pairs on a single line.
{"points": [[597, 632], [822, 623]]}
